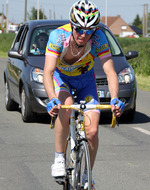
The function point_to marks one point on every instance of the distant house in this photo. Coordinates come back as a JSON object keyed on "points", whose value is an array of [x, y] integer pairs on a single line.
{"points": [[11, 26], [117, 25]]}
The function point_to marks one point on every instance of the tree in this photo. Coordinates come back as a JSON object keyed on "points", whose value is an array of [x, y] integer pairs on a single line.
{"points": [[137, 21], [33, 14]]}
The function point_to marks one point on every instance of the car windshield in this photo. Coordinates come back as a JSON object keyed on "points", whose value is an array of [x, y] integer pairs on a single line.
{"points": [[39, 40], [115, 49]]}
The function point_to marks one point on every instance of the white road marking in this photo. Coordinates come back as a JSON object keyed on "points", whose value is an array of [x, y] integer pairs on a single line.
{"points": [[142, 130]]}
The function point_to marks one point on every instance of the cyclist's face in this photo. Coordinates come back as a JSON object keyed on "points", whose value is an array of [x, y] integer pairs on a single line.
{"points": [[42, 42], [81, 37]]}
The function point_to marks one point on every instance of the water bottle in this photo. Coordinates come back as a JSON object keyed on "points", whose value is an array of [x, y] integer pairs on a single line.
{"points": [[81, 127]]}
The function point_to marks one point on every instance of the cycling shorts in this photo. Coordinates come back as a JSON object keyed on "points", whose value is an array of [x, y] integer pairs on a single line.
{"points": [[85, 86]]}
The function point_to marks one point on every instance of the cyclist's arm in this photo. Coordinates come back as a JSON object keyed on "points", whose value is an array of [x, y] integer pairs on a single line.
{"points": [[113, 84], [49, 68], [111, 76]]}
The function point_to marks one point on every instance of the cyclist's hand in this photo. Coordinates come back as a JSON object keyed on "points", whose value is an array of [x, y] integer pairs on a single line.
{"points": [[53, 107], [117, 106]]}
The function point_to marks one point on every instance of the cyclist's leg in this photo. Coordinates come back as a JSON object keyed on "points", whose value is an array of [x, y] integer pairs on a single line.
{"points": [[89, 94], [61, 125], [62, 122], [91, 122]]}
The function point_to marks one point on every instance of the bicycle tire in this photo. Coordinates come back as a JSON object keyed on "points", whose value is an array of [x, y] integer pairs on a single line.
{"points": [[69, 167], [82, 159]]}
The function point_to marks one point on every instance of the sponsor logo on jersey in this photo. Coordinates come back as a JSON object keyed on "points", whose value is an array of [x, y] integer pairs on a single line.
{"points": [[55, 47]]}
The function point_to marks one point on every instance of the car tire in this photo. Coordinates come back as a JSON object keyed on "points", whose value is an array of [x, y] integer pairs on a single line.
{"points": [[10, 104], [26, 113]]}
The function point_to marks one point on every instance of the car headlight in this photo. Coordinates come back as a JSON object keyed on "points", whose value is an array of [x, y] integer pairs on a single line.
{"points": [[37, 75], [126, 75]]}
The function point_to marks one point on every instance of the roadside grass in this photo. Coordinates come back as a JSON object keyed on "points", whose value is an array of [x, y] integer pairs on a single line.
{"points": [[3, 54], [141, 64], [143, 82]]}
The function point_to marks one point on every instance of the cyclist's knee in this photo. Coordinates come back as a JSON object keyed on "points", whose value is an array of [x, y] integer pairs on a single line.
{"points": [[65, 97], [92, 133], [65, 114]]}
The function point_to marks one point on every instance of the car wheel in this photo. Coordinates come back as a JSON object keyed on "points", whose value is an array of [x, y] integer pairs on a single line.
{"points": [[9, 103], [27, 114], [128, 116]]}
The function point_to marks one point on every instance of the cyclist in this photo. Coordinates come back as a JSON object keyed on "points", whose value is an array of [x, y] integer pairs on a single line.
{"points": [[70, 54]]}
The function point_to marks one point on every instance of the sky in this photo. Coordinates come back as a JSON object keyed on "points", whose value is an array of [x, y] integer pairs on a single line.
{"points": [[127, 9]]}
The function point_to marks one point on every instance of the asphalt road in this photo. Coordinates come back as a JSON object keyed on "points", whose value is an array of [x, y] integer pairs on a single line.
{"points": [[27, 150]]}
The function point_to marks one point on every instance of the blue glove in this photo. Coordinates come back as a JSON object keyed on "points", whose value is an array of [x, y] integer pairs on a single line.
{"points": [[117, 102], [53, 102]]}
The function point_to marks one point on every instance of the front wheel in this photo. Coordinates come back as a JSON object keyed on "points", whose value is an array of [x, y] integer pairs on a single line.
{"points": [[27, 114], [82, 162]]}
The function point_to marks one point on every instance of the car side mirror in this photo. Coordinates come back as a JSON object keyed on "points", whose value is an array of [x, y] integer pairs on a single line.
{"points": [[131, 54], [15, 54]]}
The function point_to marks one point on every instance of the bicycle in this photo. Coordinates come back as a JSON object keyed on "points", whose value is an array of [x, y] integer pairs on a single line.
{"points": [[76, 150]]}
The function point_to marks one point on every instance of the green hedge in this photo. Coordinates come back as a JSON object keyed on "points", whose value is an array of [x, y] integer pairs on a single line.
{"points": [[6, 42], [141, 64]]}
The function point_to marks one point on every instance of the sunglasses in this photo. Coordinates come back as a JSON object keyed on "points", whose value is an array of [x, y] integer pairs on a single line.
{"points": [[43, 40], [82, 31]]}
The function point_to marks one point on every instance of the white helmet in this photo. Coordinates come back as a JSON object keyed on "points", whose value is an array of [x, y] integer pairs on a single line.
{"points": [[84, 14]]}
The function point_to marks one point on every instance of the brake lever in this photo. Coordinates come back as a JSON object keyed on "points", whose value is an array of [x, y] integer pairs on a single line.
{"points": [[52, 124]]}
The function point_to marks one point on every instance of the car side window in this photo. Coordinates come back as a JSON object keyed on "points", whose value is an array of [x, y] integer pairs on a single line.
{"points": [[15, 45], [23, 44], [115, 49], [20, 39], [39, 40]]}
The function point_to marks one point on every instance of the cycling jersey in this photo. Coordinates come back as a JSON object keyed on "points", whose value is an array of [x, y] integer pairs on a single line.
{"points": [[59, 42]]}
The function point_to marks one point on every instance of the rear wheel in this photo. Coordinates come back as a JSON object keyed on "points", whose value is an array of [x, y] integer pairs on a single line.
{"points": [[27, 114], [9, 103], [82, 162]]}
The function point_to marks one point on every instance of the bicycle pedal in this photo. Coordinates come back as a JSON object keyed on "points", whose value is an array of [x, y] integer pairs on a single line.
{"points": [[60, 180]]}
